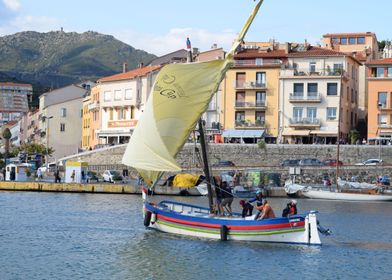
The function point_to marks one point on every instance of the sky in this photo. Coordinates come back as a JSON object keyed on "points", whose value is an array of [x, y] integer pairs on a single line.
{"points": [[160, 27]]}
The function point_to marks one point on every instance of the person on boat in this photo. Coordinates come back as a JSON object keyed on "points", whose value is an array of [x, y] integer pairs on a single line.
{"points": [[267, 213], [219, 195], [227, 197], [258, 200], [247, 208], [291, 209]]}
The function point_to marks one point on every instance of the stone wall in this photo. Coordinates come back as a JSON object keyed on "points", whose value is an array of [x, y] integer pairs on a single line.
{"points": [[269, 160]]}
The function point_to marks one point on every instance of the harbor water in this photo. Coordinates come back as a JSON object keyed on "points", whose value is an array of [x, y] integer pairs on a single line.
{"points": [[101, 236]]}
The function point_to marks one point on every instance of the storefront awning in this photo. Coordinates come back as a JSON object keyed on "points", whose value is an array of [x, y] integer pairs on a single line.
{"points": [[292, 132], [238, 133], [324, 133]]}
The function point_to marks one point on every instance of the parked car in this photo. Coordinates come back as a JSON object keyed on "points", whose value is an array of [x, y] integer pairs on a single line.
{"points": [[332, 162], [373, 161], [91, 176], [290, 162], [310, 162], [223, 163], [111, 176]]}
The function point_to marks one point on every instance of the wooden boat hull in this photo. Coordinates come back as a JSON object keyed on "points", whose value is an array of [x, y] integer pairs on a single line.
{"points": [[191, 220], [321, 194]]}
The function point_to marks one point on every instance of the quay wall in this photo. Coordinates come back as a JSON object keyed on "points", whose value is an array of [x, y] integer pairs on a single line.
{"points": [[247, 156]]}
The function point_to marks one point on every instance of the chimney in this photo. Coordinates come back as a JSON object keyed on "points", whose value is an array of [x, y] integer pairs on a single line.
{"points": [[125, 67], [141, 65], [287, 48]]}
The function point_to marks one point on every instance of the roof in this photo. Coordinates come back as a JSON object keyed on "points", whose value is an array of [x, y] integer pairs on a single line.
{"points": [[14, 84], [385, 61], [138, 72], [252, 53], [318, 51], [349, 34]]}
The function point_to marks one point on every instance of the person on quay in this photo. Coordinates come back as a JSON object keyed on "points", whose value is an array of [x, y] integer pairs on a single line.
{"points": [[267, 213], [291, 209]]}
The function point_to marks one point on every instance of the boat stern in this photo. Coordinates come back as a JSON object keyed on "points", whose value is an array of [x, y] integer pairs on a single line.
{"points": [[311, 229]]}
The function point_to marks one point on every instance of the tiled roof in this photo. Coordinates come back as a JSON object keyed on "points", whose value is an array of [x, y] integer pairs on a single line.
{"points": [[14, 84], [260, 54], [130, 74], [385, 61], [317, 51]]}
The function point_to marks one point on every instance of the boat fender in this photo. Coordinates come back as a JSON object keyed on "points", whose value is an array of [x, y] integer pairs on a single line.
{"points": [[147, 218], [153, 218], [223, 232]]}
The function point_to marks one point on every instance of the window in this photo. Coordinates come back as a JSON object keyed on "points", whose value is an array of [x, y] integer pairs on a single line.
{"points": [[382, 119], [352, 96], [332, 89], [121, 114], [260, 78], [379, 72], [343, 41], [312, 89], [81, 113], [117, 95], [312, 67], [352, 41], [107, 96], [311, 113], [132, 112], [389, 72], [240, 99], [382, 100], [240, 116], [62, 127], [361, 40], [331, 113], [260, 118], [63, 112], [260, 98], [297, 113], [128, 94], [335, 41], [298, 89]]}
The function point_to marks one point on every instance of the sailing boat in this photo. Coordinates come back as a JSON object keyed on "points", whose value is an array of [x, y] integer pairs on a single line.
{"points": [[179, 97]]}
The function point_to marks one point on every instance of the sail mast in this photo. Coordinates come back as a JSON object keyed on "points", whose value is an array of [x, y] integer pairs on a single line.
{"points": [[338, 138], [203, 146]]}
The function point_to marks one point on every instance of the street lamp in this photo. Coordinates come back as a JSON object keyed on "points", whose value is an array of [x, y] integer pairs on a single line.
{"points": [[47, 141]]}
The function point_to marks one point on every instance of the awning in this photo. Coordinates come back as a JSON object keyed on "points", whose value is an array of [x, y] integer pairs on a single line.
{"points": [[324, 133], [238, 133], [292, 132]]}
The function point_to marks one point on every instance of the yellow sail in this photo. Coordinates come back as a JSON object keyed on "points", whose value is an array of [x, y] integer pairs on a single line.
{"points": [[179, 97]]}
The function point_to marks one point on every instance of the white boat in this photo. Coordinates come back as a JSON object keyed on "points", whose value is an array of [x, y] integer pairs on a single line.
{"points": [[342, 195]]}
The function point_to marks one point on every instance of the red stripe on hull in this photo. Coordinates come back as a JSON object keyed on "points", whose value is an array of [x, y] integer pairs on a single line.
{"points": [[258, 227]]}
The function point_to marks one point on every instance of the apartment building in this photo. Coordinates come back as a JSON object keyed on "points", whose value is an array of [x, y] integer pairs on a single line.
{"points": [[14, 100], [380, 99], [314, 84], [250, 95], [364, 47], [29, 127], [122, 98]]}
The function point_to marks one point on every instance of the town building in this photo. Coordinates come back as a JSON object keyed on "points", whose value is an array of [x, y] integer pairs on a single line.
{"points": [[60, 118], [250, 95], [122, 98], [314, 84], [86, 137], [380, 99], [29, 127], [364, 47], [179, 56], [14, 100]]}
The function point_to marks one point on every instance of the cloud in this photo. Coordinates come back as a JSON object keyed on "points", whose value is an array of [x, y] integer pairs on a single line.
{"points": [[12, 5], [175, 39]]}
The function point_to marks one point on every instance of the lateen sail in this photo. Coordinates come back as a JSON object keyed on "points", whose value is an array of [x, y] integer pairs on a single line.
{"points": [[180, 95]]}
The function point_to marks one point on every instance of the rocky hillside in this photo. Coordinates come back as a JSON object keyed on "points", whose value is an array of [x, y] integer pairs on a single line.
{"points": [[55, 59]]}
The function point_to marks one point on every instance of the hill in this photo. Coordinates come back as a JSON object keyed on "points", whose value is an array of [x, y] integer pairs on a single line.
{"points": [[57, 58]]}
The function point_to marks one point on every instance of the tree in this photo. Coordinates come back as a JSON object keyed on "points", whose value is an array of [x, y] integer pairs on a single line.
{"points": [[261, 144], [34, 148], [6, 136], [353, 135]]}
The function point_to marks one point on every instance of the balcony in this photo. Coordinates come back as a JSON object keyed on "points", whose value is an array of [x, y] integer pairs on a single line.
{"points": [[249, 124], [249, 85], [260, 104], [257, 62], [288, 71], [304, 122], [93, 106], [301, 98]]}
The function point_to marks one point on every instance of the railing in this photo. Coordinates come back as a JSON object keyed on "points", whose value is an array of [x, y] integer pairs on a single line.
{"points": [[92, 106], [249, 85], [258, 62], [301, 97], [305, 121], [245, 124], [243, 104], [290, 71]]}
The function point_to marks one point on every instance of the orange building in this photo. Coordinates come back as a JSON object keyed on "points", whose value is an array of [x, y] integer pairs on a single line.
{"points": [[380, 99]]}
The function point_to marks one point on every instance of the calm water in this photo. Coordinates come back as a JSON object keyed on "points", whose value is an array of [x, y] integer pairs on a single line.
{"points": [[92, 236]]}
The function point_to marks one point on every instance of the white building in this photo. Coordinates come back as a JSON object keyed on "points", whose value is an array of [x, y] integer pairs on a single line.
{"points": [[313, 86], [122, 99]]}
